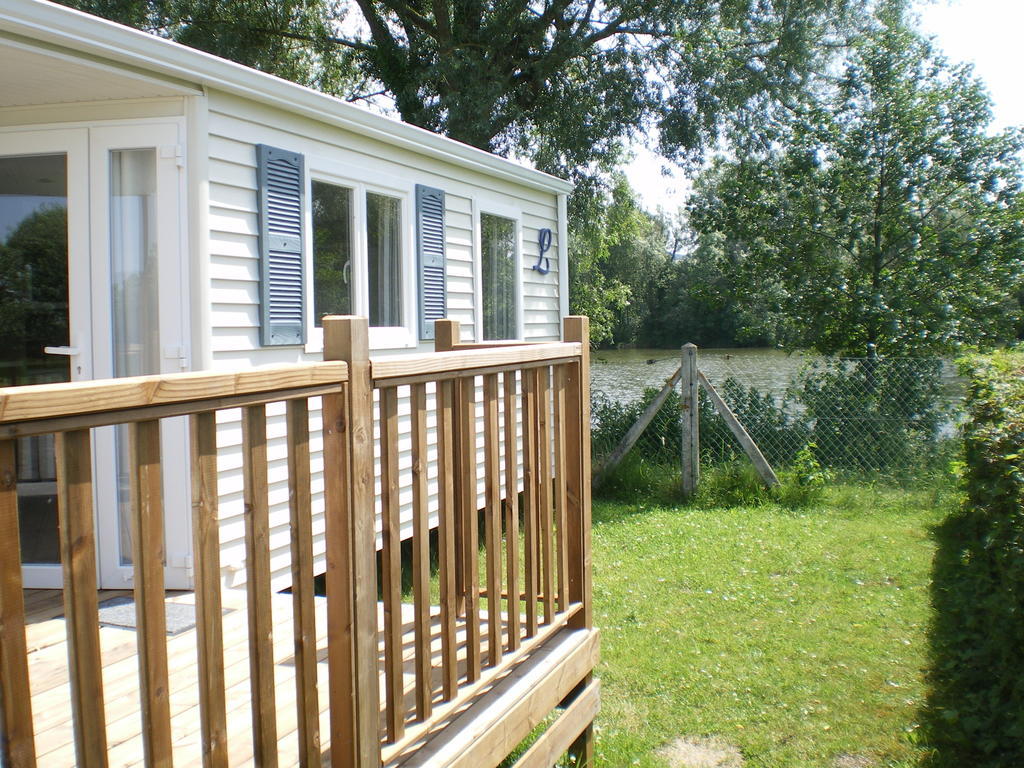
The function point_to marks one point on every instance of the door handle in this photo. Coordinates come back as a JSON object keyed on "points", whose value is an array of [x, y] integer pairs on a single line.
{"points": [[69, 351]]}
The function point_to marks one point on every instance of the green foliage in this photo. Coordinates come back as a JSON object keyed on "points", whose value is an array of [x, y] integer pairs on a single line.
{"points": [[886, 215], [34, 287], [293, 39], [976, 709], [872, 415], [804, 483]]}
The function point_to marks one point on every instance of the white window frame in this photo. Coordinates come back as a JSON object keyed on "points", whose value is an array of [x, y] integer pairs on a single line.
{"points": [[501, 208], [353, 177]]}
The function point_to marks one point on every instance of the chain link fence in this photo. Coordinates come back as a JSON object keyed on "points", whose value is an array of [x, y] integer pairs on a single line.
{"points": [[865, 416]]}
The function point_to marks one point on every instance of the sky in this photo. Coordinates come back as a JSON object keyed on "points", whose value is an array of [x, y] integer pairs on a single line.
{"points": [[986, 33]]}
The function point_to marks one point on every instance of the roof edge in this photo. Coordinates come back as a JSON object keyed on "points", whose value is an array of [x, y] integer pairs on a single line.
{"points": [[84, 33]]}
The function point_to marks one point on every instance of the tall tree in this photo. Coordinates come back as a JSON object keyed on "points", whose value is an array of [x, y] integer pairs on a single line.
{"points": [[890, 216], [560, 81]]}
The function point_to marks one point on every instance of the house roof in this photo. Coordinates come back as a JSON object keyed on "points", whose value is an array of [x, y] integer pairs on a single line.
{"points": [[59, 31]]}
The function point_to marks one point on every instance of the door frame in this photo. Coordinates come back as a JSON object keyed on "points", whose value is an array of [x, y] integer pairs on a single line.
{"points": [[87, 148], [166, 138], [73, 143]]}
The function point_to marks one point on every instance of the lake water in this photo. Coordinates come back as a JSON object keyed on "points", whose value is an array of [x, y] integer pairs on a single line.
{"points": [[623, 374]]}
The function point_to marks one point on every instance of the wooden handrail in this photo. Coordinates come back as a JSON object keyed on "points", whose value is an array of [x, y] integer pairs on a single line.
{"points": [[434, 366], [44, 401]]}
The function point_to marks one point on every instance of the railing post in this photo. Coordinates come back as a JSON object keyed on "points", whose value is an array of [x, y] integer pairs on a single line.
{"points": [[351, 550], [577, 434], [447, 336], [690, 406]]}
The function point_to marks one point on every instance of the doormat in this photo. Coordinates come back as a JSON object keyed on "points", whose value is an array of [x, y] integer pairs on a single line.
{"points": [[120, 612]]}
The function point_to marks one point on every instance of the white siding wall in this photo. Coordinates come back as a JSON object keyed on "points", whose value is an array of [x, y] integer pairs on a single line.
{"points": [[235, 128]]}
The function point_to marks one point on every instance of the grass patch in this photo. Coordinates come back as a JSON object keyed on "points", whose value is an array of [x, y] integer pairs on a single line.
{"points": [[799, 636]]}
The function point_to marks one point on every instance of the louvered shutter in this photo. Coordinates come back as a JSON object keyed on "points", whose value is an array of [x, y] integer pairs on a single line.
{"points": [[430, 257], [282, 300]]}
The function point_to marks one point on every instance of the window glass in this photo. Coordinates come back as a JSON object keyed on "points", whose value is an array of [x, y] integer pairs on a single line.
{"points": [[332, 250], [133, 290], [384, 257], [498, 262]]}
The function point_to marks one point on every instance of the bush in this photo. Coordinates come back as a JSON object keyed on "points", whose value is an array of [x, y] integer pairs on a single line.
{"points": [[874, 415], [976, 707]]}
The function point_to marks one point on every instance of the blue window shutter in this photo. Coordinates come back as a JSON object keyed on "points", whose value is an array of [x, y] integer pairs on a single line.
{"points": [[430, 257], [282, 298]]}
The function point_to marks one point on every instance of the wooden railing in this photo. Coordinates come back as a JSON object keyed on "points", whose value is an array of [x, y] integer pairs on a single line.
{"points": [[499, 604]]}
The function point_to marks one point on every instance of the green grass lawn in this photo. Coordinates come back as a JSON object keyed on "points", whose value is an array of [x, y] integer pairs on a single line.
{"points": [[798, 637]]}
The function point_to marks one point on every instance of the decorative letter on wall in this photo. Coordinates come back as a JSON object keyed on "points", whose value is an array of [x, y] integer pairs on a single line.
{"points": [[543, 264]]}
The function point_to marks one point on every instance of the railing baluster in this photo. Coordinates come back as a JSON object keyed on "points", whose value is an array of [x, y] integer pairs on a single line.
{"points": [[511, 509], [446, 513], [148, 556], [561, 488], [391, 564], [492, 517], [544, 501], [17, 747], [470, 538], [530, 498], [81, 609], [257, 587], [421, 550], [209, 627], [303, 612]]}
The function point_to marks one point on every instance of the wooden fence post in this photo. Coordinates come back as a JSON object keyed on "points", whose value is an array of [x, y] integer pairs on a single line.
{"points": [[690, 421], [351, 550]]}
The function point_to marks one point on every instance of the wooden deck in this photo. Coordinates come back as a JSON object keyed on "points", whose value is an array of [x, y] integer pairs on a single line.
{"points": [[454, 673], [47, 646]]}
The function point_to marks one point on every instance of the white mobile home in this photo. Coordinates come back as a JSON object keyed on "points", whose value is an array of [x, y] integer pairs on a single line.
{"points": [[165, 210]]}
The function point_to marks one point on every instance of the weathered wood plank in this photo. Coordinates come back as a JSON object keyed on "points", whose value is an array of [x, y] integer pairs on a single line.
{"points": [[391, 565], [633, 434], [421, 551], [511, 503], [764, 469], [446, 513], [300, 506], [17, 747], [206, 553], [148, 560], [561, 734], [78, 563], [257, 585], [690, 406], [492, 518], [117, 395]]}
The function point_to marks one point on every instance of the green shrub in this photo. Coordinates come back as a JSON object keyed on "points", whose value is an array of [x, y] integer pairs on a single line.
{"points": [[975, 712]]}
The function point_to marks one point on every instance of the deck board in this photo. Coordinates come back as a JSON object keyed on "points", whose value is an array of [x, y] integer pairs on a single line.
{"points": [[51, 700]]}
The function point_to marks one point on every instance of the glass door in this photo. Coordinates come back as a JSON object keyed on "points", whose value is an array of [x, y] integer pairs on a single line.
{"points": [[139, 309], [44, 307]]}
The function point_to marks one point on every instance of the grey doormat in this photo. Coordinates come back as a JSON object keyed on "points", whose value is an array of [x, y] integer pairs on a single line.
{"points": [[120, 612]]}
